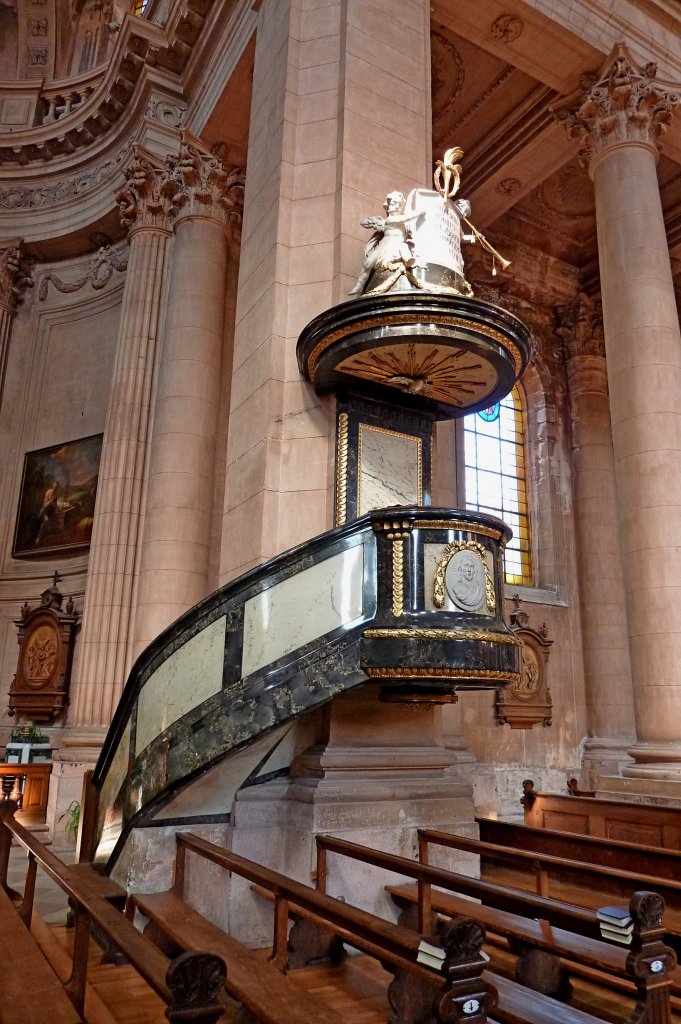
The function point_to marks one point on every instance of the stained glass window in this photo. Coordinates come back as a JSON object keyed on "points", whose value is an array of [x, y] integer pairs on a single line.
{"points": [[138, 6], [494, 460]]}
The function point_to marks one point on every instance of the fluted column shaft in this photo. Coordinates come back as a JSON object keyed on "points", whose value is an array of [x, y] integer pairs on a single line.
{"points": [[106, 641], [175, 564], [605, 641], [175, 556], [620, 119]]}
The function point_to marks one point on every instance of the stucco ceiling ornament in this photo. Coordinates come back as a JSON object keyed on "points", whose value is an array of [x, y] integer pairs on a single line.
{"points": [[506, 28], [14, 274], [146, 201], [621, 103], [204, 184], [581, 327]]}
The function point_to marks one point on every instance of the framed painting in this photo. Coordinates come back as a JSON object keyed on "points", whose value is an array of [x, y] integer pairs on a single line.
{"points": [[57, 499]]}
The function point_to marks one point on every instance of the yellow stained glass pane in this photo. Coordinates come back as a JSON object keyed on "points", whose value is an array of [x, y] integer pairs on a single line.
{"points": [[494, 455]]}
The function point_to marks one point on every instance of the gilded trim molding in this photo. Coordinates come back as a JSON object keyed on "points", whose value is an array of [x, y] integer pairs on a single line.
{"points": [[398, 672], [457, 524], [403, 633], [413, 318]]}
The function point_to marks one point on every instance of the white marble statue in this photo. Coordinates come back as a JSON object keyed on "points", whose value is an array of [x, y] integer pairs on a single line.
{"points": [[417, 244], [391, 245]]}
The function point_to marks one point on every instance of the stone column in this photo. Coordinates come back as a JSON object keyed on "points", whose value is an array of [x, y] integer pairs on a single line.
{"points": [[174, 571], [618, 122], [605, 640], [12, 280], [340, 116], [106, 636]]}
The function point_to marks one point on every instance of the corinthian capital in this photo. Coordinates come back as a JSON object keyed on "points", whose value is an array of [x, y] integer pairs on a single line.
{"points": [[621, 103], [14, 276], [581, 327], [146, 201], [205, 184]]}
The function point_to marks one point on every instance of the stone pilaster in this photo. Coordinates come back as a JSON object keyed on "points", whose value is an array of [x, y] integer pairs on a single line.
{"points": [[145, 206], [618, 121], [174, 570], [12, 281], [605, 641]]}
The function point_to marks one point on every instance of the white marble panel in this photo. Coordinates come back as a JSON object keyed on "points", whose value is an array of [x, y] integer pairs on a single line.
{"points": [[432, 553], [303, 608], [389, 471], [118, 769], [188, 677]]}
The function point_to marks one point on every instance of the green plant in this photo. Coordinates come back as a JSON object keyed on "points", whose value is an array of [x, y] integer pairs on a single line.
{"points": [[72, 815], [28, 734]]}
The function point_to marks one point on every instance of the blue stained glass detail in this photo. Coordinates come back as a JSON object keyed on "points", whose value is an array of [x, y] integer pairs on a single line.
{"points": [[491, 414]]}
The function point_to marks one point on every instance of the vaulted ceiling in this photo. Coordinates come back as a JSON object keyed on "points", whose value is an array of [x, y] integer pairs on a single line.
{"points": [[496, 75]]}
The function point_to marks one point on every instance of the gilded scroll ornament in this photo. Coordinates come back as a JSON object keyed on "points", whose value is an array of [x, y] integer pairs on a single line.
{"points": [[398, 577], [475, 576]]}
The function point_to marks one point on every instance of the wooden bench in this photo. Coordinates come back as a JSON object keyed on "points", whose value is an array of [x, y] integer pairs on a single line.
{"points": [[535, 871], [252, 981], [640, 859], [652, 987], [609, 819], [453, 971], [29, 984], [195, 978], [601, 959]]}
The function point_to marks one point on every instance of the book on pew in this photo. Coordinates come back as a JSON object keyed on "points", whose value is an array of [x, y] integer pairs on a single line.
{"points": [[612, 935], [434, 956], [615, 917]]}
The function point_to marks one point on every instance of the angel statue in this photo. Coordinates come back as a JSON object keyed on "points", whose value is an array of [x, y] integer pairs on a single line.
{"points": [[391, 247]]}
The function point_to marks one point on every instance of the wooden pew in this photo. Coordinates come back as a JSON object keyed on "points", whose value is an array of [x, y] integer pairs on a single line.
{"points": [[608, 819], [191, 982], [535, 871], [653, 1002], [28, 982], [274, 997], [600, 959], [641, 860]]}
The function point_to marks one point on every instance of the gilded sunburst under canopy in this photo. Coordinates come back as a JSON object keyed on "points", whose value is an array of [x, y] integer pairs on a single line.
{"points": [[452, 375]]}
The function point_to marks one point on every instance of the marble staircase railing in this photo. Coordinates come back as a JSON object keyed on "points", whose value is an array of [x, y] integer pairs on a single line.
{"points": [[366, 601]]}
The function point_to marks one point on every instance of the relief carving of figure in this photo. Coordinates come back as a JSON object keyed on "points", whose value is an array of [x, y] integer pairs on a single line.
{"points": [[465, 580], [41, 654]]}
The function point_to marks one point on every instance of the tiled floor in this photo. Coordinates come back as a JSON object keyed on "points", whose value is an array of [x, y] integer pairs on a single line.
{"points": [[50, 901]]}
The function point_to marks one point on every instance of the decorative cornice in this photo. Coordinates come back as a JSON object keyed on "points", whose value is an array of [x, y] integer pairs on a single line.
{"points": [[18, 197], [147, 199], [101, 267], [204, 184], [581, 327], [14, 274], [139, 45], [621, 103]]}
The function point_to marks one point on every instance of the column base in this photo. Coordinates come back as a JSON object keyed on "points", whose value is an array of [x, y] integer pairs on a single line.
{"points": [[656, 761], [378, 806], [76, 749], [604, 755], [652, 790]]}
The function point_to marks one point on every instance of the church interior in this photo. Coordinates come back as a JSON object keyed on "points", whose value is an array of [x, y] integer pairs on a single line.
{"points": [[339, 617]]}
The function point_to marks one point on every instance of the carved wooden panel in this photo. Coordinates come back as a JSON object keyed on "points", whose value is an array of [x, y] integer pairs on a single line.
{"points": [[527, 701], [40, 688]]}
